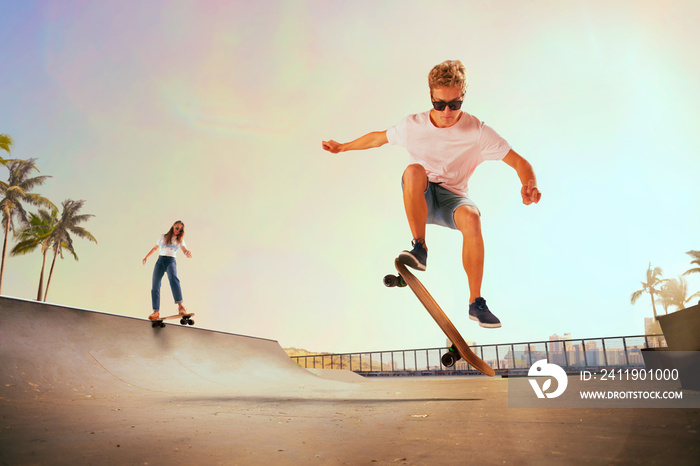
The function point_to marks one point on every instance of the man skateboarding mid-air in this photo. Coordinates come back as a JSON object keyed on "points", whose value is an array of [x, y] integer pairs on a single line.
{"points": [[446, 145]]}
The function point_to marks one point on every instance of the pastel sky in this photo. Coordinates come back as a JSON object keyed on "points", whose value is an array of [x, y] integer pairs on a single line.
{"points": [[214, 112]]}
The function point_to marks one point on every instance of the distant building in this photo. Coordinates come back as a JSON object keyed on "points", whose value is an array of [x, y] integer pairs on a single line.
{"points": [[557, 351]]}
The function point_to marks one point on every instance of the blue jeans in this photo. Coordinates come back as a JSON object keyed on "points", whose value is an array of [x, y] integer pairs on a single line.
{"points": [[165, 264]]}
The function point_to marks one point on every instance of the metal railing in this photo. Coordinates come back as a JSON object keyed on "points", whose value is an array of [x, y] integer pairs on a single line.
{"points": [[572, 355]]}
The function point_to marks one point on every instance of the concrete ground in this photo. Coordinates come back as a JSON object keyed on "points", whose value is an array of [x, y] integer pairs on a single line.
{"points": [[112, 390]]}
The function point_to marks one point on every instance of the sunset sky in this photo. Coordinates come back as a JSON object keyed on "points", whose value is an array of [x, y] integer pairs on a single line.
{"points": [[214, 112]]}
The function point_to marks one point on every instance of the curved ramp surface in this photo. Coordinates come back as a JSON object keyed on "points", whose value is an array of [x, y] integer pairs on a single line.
{"points": [[49, 350]]}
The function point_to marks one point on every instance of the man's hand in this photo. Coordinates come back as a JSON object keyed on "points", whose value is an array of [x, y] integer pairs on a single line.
{"points": [[331, 146], [530, 193]]}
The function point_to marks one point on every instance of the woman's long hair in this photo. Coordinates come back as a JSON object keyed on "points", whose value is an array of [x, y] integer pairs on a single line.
{"points": [[179, 237]]}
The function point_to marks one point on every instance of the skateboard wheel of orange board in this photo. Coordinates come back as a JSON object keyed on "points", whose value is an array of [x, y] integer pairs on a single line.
{"points": [[448, 360], [451, 357], [394, 280]]}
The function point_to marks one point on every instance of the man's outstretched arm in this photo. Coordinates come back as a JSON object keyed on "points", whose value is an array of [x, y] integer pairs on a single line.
{"points": [[530, 193], [368, 141]]}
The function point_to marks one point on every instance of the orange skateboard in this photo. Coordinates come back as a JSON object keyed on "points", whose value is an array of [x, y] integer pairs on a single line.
{"points": [[459, 349], [184, 320]]}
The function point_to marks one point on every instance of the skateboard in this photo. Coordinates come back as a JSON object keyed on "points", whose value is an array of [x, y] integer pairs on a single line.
{"points": [[184, 320], [459, 349]]}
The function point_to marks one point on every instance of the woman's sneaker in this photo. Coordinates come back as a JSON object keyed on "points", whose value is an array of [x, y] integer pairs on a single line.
{"points": [[416, 258], [479, 311]]}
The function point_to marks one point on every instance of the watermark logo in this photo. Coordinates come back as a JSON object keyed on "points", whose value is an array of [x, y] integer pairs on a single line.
{"points": [[544, 369]]}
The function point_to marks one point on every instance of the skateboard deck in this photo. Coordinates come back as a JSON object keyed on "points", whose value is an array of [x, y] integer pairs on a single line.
{"points": [[459, 346], [185, 319]]}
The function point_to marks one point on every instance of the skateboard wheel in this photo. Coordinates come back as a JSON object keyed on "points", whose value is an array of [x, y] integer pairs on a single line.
{"points": [[153, 324], [448, 359], [391, 281], [190, 322], [162, 324], [183, 321]]}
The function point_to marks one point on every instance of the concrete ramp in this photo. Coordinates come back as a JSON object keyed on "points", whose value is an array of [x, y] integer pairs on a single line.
{"points": [[84, 387], [49, 350]]}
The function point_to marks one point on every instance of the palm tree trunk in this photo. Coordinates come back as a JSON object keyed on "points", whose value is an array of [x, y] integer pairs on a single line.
{"points": [[653, 306], [4, 255], [41, 277], [48, 282]]}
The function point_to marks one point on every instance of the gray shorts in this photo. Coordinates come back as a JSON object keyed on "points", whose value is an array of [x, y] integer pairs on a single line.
{"points": [[442, 204]]}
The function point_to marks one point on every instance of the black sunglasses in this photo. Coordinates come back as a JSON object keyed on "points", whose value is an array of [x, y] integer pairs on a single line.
{"points": [[454, 105]]}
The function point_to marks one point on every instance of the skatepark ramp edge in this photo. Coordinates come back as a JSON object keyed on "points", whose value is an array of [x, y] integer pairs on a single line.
{"points": [[51, 350]]}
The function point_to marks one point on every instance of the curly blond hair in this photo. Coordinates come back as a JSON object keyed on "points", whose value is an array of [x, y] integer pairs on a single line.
{"points": [[450, 73]]}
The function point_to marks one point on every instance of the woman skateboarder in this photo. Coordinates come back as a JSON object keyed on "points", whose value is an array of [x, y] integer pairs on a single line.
{"points": [[168, 243], [445, 146]]}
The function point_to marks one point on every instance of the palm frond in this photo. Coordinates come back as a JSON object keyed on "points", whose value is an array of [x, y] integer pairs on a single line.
{"points": [[24, 247], [31, 183], [635, 296], [695, 255], [675, 292], [81, 232], [6, 142], [37, 232]]}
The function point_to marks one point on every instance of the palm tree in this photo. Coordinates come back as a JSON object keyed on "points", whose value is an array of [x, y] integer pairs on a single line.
{"points": [[674, 292], [16, 192], [37, 233], [696, 261], [653, 280], [61, 236]]}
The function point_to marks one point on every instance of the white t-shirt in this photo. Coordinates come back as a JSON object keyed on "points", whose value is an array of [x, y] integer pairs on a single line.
{"points": [[169, 250], [449, 155]]}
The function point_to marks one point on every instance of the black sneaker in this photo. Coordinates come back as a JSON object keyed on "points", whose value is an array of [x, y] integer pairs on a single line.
{"points": [[416, 258], [479, 311]]}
